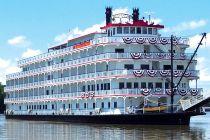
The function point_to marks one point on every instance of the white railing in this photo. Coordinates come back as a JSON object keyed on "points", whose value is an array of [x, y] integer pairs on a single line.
{"points": [[98, 94], [102, 75], [94, 42], [94, 59]]}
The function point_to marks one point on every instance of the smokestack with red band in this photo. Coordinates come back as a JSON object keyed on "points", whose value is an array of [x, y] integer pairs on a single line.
{"points": [[108, 15], [135, 14]]}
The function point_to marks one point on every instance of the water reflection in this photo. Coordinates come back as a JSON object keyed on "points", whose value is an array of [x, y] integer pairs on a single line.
{"points": [[32, 130]]}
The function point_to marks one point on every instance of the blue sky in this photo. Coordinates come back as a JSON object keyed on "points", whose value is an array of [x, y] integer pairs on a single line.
{"points": [[30, 27]]}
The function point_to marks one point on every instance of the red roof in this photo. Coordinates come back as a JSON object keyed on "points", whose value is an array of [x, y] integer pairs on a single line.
{"points": [[137, 23]]}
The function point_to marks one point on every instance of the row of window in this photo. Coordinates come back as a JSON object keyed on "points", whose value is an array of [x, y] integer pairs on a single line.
{"points": [[150, 85], [146, 67], [132, 30], [69, 106]]}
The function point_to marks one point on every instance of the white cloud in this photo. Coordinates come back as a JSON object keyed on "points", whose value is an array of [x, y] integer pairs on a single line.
{"points": [[186, 26], [30, 52], [7, 67], [75, 32], [194, 40], [19, 41], [204, 70]]}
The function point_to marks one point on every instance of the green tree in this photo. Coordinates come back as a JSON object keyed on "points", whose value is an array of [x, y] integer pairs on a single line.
{"points": [[2, 95]]}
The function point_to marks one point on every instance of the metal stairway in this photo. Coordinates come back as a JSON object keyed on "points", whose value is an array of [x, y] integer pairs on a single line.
{"points": [[194, 102]]}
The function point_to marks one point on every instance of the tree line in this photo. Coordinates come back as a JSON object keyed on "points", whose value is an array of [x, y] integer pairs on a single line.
{"points": [[2, 95]]}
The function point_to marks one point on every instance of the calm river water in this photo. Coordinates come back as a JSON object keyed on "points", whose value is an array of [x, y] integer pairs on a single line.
{"points": [[199, 129]]}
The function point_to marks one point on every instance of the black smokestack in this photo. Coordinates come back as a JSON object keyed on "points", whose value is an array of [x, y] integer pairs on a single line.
{"points": [[135, 14], [108, 15]]}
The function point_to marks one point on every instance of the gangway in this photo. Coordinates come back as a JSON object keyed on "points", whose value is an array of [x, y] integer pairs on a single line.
{"points": [[194, 102]]}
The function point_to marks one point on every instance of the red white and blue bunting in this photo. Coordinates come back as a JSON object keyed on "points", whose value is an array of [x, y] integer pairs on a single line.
{"points": [[140, 40], [164, 73], [151, 73], [194, 92], [138, 73], [182, 92], [150, 40], [127, 40], [146, 91], [136, 55]]}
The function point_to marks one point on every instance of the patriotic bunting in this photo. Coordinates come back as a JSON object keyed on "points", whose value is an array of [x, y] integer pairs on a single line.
{"points": [[138, 73]]}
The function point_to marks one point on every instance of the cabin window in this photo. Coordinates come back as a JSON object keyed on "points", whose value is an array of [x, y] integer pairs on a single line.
{"points": [[121, 85], [150, 85], [119, 50], [128, 66], [85, 105], [167, 67], [113, 31], [129, 85], [52, 91], [144, 30], [180, 67], [150, 31], [154, 31], [143, 85], [136, 85], [115, 104], [183, 85], [64, 106], [102, 105], [62, 60], [132, 30], [97, 86], [34, 106], [109, 105], [88, 87], [138, 31], [126, 30], [77, 105], [144, 67], [93, 87], [83, 88], [45, 106], [53, 106], [109, 33], [102, 86], [119, 30], [158, 85], [19, 107], [166, 85], [69, 105], [94, 105], [47, 92]]}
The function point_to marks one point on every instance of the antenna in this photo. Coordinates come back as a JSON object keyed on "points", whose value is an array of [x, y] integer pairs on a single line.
{"points": [[149, 13]]}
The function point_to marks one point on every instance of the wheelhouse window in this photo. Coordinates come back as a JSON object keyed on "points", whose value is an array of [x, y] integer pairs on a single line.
{"points": [[132, 30], [126, 30], [138, 30], [119, 30], [154, 31], [113, 31], [150, 31], [119, 50], [144, 30], [128, 66]]}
